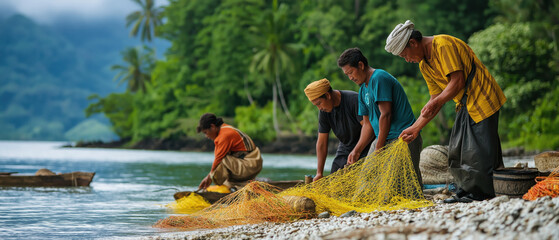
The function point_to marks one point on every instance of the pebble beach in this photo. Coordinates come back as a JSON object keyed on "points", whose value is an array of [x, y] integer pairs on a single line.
{"points": [[498, 218]]}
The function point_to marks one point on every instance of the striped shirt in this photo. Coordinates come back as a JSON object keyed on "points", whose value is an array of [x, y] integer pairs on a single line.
{"points": [[450, 54]]}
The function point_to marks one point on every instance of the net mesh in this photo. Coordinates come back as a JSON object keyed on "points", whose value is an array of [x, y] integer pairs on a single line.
{"points": [[194, 202], [384, 180], [189, 204], [545, 186], [255, 203]]}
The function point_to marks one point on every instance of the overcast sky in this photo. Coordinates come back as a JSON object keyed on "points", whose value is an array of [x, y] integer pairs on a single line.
{"points": [[53, 11]]}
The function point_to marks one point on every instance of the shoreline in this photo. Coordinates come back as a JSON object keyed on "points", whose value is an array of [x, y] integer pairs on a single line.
{"points": [[499, 218], [305, 145]]}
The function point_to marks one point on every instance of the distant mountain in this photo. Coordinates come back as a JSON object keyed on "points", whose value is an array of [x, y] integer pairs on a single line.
{"points": [[47, 73]]}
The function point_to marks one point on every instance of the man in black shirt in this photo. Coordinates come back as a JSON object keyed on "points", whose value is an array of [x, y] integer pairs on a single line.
{"points": [[339, 113]]}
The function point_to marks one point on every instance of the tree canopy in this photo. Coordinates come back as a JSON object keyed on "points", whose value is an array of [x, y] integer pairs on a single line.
{"points": [[247, 59], [244, 58]]}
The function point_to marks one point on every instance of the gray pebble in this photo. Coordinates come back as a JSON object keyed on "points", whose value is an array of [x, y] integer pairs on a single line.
{"points": [[349, 214], [324, 215], [496, 219]]}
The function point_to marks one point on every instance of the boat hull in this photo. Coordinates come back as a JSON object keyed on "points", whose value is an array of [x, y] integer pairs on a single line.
{"points": [[73, 179]]}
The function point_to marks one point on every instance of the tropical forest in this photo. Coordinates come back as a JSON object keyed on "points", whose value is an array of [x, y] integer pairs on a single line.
{"points": [[249, 61]]}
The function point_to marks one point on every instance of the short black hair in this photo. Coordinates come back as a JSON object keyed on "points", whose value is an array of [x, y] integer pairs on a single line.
{"points": [[416, 35], [352, 56], [207, 120], [329, 91]]}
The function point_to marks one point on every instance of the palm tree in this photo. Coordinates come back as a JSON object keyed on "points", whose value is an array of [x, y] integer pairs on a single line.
{"points": [[148, 18], [137, 70], [274, 55]]}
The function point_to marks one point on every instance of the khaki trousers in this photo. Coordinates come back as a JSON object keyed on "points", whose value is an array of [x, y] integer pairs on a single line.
{"points": [[234, 169]]}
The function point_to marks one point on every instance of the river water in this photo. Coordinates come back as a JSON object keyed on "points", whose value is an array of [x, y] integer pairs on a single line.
{"points": [[128, 193]]}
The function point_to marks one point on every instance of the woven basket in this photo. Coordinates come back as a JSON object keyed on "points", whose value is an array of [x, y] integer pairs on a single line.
{"points": [[434, 165], [514, 182], [547, 161]]}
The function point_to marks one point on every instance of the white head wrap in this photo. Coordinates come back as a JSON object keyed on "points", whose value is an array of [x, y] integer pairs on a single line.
{"points": [[399, 37]]}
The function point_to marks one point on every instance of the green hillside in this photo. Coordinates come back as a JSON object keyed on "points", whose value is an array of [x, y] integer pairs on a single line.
{"points": [[45, 80]]}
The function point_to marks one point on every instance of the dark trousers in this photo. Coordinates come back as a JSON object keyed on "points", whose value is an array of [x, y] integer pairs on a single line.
{"points": [[474, 152], [338, 163], [341, 160]]}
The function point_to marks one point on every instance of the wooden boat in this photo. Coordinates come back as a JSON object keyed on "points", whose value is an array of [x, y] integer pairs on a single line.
{"points": [[73, 179], [213, 197]]}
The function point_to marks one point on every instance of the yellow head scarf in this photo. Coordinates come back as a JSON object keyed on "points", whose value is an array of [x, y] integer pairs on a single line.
{"points": [[317, 89]]}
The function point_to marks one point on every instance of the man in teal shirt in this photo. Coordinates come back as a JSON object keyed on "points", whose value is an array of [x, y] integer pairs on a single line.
{"points": [[383, 104]]}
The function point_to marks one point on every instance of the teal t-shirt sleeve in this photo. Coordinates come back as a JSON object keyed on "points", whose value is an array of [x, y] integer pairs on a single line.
{"points": [[363, 110], [384, 87]]}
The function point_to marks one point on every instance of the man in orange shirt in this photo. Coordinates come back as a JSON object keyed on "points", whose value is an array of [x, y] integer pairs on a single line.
{"points": [[452, 71], [236, 160]]}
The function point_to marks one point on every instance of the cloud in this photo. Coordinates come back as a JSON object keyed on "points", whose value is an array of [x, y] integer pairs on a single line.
{"points": [[51, 11]]}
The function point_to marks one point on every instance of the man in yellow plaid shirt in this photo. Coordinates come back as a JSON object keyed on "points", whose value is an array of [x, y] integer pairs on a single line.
{"points": [[452, 71]]}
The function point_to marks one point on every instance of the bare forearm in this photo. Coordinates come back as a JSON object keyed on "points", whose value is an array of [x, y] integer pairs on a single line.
{"points": [[384, 129], [365, 138], [321, 154], [452, 89], [421, 122]]}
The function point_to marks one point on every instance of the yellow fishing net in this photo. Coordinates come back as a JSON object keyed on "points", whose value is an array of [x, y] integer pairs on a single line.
{"points": [[194, 202], [257, 202], [219, 189], [189, 204], [384, 180]]}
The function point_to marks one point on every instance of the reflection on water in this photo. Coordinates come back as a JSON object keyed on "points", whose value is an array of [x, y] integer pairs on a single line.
{"points": [[127, 195], [79, 212]]}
